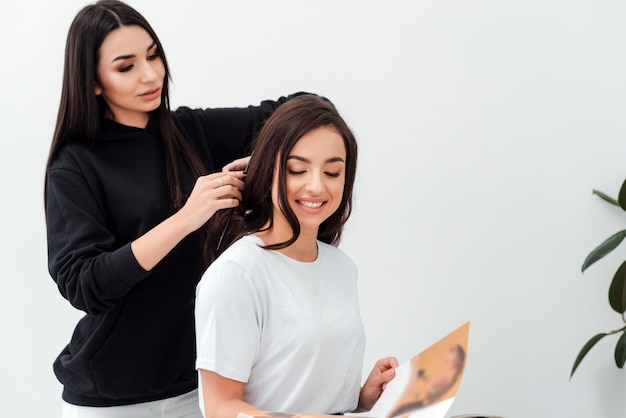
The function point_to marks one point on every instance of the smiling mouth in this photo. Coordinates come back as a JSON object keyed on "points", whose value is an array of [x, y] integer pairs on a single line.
{"points": [[312, 205]]}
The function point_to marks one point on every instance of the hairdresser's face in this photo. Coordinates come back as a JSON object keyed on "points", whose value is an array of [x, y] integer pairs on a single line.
{"points": [[131, 75], [315, 177]]}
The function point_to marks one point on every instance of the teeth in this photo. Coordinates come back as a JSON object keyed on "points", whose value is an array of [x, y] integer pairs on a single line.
{"points": [[311, 204]]}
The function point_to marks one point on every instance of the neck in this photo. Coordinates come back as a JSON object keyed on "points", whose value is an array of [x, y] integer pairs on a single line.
{"points": [[304, 252], [138, 121], [304, 249]]}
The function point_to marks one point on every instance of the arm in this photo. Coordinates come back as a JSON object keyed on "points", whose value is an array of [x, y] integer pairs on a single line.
{"points": [[222, 397], [92, 266], [381, 374], [207, 197], [222, 134], [91, 269], [227, 318]]}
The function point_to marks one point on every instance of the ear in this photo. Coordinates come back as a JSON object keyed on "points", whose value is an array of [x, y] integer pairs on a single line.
{"points": [[97, 90]]}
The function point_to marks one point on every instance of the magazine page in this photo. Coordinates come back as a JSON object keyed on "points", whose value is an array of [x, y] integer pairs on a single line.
{"points": [[426, 385]]}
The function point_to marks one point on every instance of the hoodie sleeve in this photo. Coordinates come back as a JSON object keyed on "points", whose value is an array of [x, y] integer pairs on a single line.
{"points": [[90, 268], [224, 134]]}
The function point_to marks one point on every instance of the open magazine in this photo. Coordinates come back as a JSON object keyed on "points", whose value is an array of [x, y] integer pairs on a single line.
{"points": [[424, 386]]}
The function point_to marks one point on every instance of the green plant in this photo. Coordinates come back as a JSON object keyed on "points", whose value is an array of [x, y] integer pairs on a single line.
{"points": [[617, 289]]}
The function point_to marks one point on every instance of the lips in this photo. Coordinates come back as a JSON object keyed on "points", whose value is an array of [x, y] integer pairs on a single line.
{"points": [[311, 205], [151, 94]]}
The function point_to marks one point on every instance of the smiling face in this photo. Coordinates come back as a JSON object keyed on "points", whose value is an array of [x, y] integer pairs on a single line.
{"points": [[131, 75], [314, 179]]}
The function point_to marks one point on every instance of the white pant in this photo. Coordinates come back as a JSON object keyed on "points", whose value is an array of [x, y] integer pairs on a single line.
{"points": [[183, 406]]}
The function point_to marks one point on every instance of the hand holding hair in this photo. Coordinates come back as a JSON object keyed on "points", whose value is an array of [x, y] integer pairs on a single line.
{"points": [[211, 193]]}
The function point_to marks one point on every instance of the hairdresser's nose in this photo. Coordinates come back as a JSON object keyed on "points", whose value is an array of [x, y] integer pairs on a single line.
{"points": [[149, 72]]}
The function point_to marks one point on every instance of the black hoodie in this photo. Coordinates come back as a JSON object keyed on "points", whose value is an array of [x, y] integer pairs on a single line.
{"points": [[136, 342]]}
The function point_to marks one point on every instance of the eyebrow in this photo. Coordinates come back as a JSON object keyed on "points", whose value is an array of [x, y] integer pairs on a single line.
{"points": [[305, 160], [125, 57]]}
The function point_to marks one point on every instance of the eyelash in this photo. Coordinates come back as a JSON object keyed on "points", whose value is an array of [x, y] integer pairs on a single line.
{"points": [[150, 58], [296, 173]]}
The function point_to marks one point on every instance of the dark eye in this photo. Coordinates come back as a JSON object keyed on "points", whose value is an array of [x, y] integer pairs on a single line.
{"points": [[154, 56], [125, 69]]}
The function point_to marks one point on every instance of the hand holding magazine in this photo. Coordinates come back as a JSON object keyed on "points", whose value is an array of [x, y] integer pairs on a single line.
{"points": [[424, 386]]}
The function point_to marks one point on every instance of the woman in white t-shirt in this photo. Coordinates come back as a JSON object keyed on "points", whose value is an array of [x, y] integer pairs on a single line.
{"points": [[278, 326]]}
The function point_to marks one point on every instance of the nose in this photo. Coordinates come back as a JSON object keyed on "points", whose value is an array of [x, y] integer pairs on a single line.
{"points": [[315, 183], [149, 74]]}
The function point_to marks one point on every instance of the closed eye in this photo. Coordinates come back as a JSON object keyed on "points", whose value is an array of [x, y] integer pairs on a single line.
{"points": [[332, 174], [295, 173]]}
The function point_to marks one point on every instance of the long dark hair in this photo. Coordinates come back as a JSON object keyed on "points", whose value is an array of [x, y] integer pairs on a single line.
{"points": [[81, 111], [289, 122]]}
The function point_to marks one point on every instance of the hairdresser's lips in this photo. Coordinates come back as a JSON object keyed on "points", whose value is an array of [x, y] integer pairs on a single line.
{"points": [[151, 94]]}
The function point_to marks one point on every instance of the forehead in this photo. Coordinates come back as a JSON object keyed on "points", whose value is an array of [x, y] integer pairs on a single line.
{"points": [[125, 40], [323, 142]]}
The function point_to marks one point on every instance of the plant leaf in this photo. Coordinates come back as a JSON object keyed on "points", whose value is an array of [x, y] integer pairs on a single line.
{"points": [[617, 290], [603, 249], [620, 351], [606, 197], [585, 350], [621, 198]]}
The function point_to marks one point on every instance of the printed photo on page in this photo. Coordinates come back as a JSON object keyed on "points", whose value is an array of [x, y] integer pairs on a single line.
{"points": [[426, 385]]}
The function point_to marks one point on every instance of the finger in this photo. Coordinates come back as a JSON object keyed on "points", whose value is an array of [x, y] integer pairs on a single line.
{"points": [[228, 180], [237, 165], [221, 204], [228, 192], [388, 362], [227, 203]]}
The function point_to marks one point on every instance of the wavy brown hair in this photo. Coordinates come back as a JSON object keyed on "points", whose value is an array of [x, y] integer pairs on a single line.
{"points": [[289, 122]]}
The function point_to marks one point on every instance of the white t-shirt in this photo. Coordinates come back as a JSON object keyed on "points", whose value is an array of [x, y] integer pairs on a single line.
{"points": [[292, 331]]}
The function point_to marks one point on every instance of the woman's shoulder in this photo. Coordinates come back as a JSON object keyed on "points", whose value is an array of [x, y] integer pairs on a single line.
{"points": [[240, 263], [68, 156], [335, 255], [332, 249], [246, 252]]}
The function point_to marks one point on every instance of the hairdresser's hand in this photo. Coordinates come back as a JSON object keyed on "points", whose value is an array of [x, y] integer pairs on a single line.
{"points": [[237, 165], [381, 374], [211, 193]]}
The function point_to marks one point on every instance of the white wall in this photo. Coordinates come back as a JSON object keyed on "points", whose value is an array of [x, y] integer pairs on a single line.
{"points": [[483, 127]]}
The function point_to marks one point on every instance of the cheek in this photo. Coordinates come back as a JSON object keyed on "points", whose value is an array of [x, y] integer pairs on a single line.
{"points": [[112, 84], [338, 190], [337, 193], [159, 68]]}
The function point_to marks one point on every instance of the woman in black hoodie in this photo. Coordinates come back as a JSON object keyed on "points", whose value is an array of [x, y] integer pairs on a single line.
{"points": [[127, 194]]}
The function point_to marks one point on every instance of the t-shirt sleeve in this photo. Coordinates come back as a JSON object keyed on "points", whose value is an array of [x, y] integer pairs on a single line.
{"points": [[228, 319]]}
